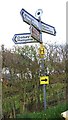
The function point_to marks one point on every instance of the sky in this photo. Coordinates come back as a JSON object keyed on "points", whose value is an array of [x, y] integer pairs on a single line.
{"points": [[54, 14]]}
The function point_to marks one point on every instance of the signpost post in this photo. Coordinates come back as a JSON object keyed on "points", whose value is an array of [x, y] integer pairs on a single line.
{"points": [[42, 59], [35, 35]]}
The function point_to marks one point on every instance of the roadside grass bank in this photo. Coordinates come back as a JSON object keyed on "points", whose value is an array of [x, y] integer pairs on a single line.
{"points": [[52, 113]]}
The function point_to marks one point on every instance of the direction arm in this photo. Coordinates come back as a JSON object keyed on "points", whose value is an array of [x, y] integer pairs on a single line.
{"points": [[48, 29]]}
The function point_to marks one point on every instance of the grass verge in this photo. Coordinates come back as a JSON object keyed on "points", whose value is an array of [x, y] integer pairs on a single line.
{"points": [[53, 113]]}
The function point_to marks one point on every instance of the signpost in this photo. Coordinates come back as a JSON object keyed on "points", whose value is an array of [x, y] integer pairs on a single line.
{"points": [[23, 38], [30, 19], [35, 36]]}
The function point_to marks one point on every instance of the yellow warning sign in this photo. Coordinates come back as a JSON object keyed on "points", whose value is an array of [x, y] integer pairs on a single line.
{"points": [[41, 51], [44, 80]]}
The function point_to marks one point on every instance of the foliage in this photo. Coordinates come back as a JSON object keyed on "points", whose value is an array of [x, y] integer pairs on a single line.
{"points": [[49, 114], [21, 89]]}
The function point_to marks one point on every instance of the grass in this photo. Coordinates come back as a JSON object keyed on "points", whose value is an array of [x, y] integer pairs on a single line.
{"points": [[49, 114]]}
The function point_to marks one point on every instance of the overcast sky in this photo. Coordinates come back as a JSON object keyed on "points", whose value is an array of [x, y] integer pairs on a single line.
{"points": [[54, 13]]}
